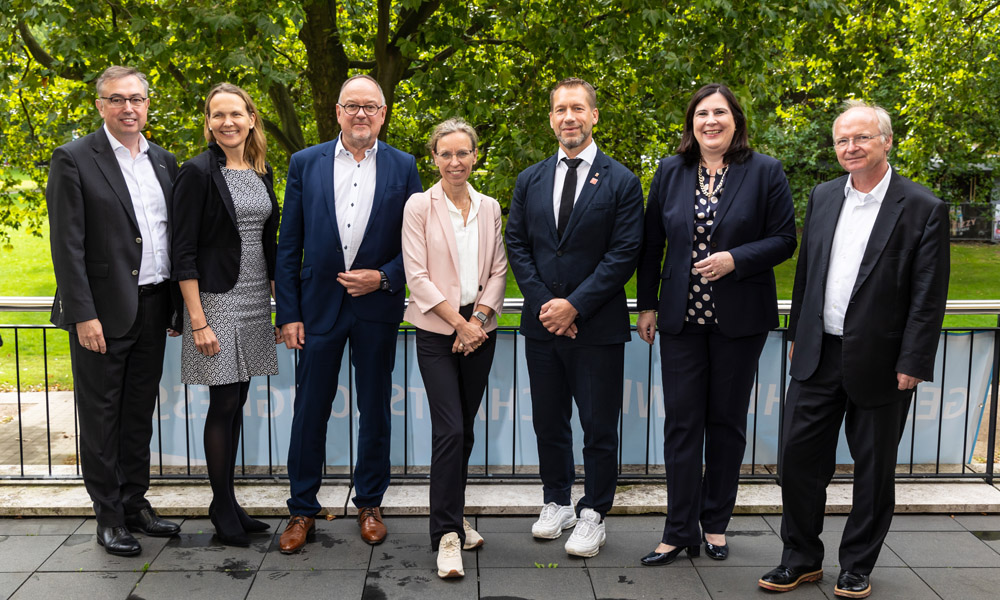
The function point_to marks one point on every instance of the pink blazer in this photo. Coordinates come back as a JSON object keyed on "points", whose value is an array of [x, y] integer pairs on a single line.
{"points": [[430, 258]]}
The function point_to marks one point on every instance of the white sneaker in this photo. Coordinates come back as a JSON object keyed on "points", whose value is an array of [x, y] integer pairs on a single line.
{"points": [[588, 537], [553, 520], [472, 538], [450, 557]]}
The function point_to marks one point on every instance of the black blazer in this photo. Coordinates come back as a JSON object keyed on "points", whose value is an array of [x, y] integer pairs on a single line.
{"points": [[894, 317], [206, 243], [592, 262], [95, 238], [755, 222]]}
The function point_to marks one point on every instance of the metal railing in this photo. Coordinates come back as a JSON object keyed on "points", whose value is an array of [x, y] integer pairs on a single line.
{"points": [[34, 457]]}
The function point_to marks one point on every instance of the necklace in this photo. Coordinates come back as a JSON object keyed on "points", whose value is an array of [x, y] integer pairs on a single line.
{"points": [[721, 174]]}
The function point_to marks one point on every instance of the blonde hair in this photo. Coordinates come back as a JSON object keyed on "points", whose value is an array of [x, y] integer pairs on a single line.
{"points": [[453, 125], [255, 148], [881, 115]]}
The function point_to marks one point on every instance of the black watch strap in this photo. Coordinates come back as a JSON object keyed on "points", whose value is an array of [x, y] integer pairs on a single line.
{"points": [[384, 283]]}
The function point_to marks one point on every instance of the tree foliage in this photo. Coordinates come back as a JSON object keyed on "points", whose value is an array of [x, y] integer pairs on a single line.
{"points": [[931, 63]]}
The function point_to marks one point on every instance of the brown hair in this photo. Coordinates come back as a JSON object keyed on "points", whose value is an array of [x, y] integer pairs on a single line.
{"points": [[575, 82], [739, 148], [255, 148], [116, 72]]}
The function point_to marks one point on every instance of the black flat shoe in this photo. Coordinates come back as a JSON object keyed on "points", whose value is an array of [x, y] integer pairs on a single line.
{"points": [[236, 538], [148, 522], [853, 585], [657, 559], [784, 579], [715, 552], [118, 541]]}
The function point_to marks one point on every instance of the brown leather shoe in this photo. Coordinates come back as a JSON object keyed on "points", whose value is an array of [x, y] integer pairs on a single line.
{"points": [[372, 529], [300, 529]]}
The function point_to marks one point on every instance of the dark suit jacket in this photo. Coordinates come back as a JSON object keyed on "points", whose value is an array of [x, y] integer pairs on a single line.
{"points": [[96, 244], [754, 221], [205, 243], [894, 317], [310, 253], [594, 259]]}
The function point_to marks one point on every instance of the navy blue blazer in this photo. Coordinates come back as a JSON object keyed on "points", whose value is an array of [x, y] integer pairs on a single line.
{"points": [[205, 243], [755, 222], [893, 320], [594, 259], [310, 253]]}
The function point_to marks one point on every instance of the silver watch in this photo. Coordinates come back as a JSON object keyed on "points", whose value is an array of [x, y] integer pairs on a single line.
{"points": [[481, 316]]}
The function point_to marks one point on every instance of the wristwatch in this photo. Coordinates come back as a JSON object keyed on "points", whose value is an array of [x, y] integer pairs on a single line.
{"points": [[384, 283], [481, 316]]}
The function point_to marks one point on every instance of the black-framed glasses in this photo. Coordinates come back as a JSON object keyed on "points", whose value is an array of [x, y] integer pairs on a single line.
{"points": [[859, 140], [447, 156], [352, 109], [119, 101]]}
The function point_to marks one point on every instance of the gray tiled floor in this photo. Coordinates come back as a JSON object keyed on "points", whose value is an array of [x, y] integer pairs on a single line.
{"points": [[925, 556]]}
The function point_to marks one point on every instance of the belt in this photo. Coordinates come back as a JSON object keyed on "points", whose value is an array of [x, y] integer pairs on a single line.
{"points": [[152, 288]]}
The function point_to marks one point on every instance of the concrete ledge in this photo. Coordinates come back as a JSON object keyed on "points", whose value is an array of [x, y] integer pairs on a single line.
{"points": [[191, 499]]}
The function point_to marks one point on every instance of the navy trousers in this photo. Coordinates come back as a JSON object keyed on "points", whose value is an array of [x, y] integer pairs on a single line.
{"points": [[373, 354]]}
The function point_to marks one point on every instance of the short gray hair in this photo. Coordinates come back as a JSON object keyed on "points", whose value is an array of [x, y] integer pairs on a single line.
{"points": [[381, 94], [453, 125], [115, 72], [881, 115]]}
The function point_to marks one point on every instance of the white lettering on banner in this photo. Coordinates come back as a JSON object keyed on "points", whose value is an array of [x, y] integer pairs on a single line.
{"points": [[929, 398], [342, 396], [642, 404], [773, 400], [955, 408], [399, 397], [525, 397], [277, 401], [419, 400], [497, 404]]}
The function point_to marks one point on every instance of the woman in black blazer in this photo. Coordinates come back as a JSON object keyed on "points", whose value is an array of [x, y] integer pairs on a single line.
{"points": [[222, 253], [725, 215]]}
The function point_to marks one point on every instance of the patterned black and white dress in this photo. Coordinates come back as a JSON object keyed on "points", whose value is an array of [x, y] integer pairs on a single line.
{"points": [[701, 307], [241, 317]]}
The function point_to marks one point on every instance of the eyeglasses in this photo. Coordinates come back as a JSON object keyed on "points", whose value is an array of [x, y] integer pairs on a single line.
{"points": [[119, 101], [352, 109], [447, 156], [859, 140]]}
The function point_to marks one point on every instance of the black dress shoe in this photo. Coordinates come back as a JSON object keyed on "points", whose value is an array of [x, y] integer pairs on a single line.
{"points": [[853, 585], [148, 522], [118, 541], [715, 552], [784, 579], [657, 559]]}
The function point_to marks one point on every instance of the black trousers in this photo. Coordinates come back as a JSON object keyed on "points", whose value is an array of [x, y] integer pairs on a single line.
{"points": [[562, 371], [116, 395], [707, 380], [455, 385], [814, 411]]}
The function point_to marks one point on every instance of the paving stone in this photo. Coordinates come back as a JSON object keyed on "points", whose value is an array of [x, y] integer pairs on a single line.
{"points": [[337, 546], [648, 583], [77, 585], [979, 522], [194, 585], [962, 583], [202, 552], [563, 583], [389, 584], [623, 550], [307, 584], [400, 525], [741, 582], [408, 551], [10, 582], [505, 524], [40, 526], [925, 523], [24, 553], [831, 555], [81, 552], [892, 582], [90, 525], [830, 523], [747, 549], [942, 549], [522, 550], [650, 523]]}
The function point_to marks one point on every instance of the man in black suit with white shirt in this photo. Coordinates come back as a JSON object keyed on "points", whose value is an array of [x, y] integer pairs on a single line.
{"points": [[108, 197], [870, 290]]}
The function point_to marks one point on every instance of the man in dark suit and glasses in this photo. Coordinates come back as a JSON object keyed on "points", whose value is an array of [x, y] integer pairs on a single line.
{"points": [[573, 238], [870, 290], [109, 196]]}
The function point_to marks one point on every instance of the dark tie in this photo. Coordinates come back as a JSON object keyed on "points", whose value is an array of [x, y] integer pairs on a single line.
{"points": [[568, 194]]}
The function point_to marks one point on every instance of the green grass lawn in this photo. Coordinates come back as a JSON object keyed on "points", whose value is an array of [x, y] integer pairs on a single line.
{"points": [[27, 271]]}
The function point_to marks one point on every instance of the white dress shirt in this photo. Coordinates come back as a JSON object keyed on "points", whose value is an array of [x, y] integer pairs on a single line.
{"points": [[857, 218], [354, 192], [150, 208], [467, 244], [582, 171]]}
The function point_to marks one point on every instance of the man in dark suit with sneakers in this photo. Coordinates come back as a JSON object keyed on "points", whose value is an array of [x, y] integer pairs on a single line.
{"points": [[867, 305], [108, 197]]}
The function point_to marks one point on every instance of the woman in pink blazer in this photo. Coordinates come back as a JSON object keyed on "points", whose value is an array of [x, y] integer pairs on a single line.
{"points": [[456, 270]]}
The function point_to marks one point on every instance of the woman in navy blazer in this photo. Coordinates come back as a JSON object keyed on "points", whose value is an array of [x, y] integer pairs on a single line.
{"points": [[726, 217], [222, 253]]}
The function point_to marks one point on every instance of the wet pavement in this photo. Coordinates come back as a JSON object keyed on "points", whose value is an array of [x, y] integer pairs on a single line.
{"points": [[925, 556]]}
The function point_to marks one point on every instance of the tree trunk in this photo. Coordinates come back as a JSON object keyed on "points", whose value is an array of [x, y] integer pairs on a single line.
{"points": [[328, 63]]}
